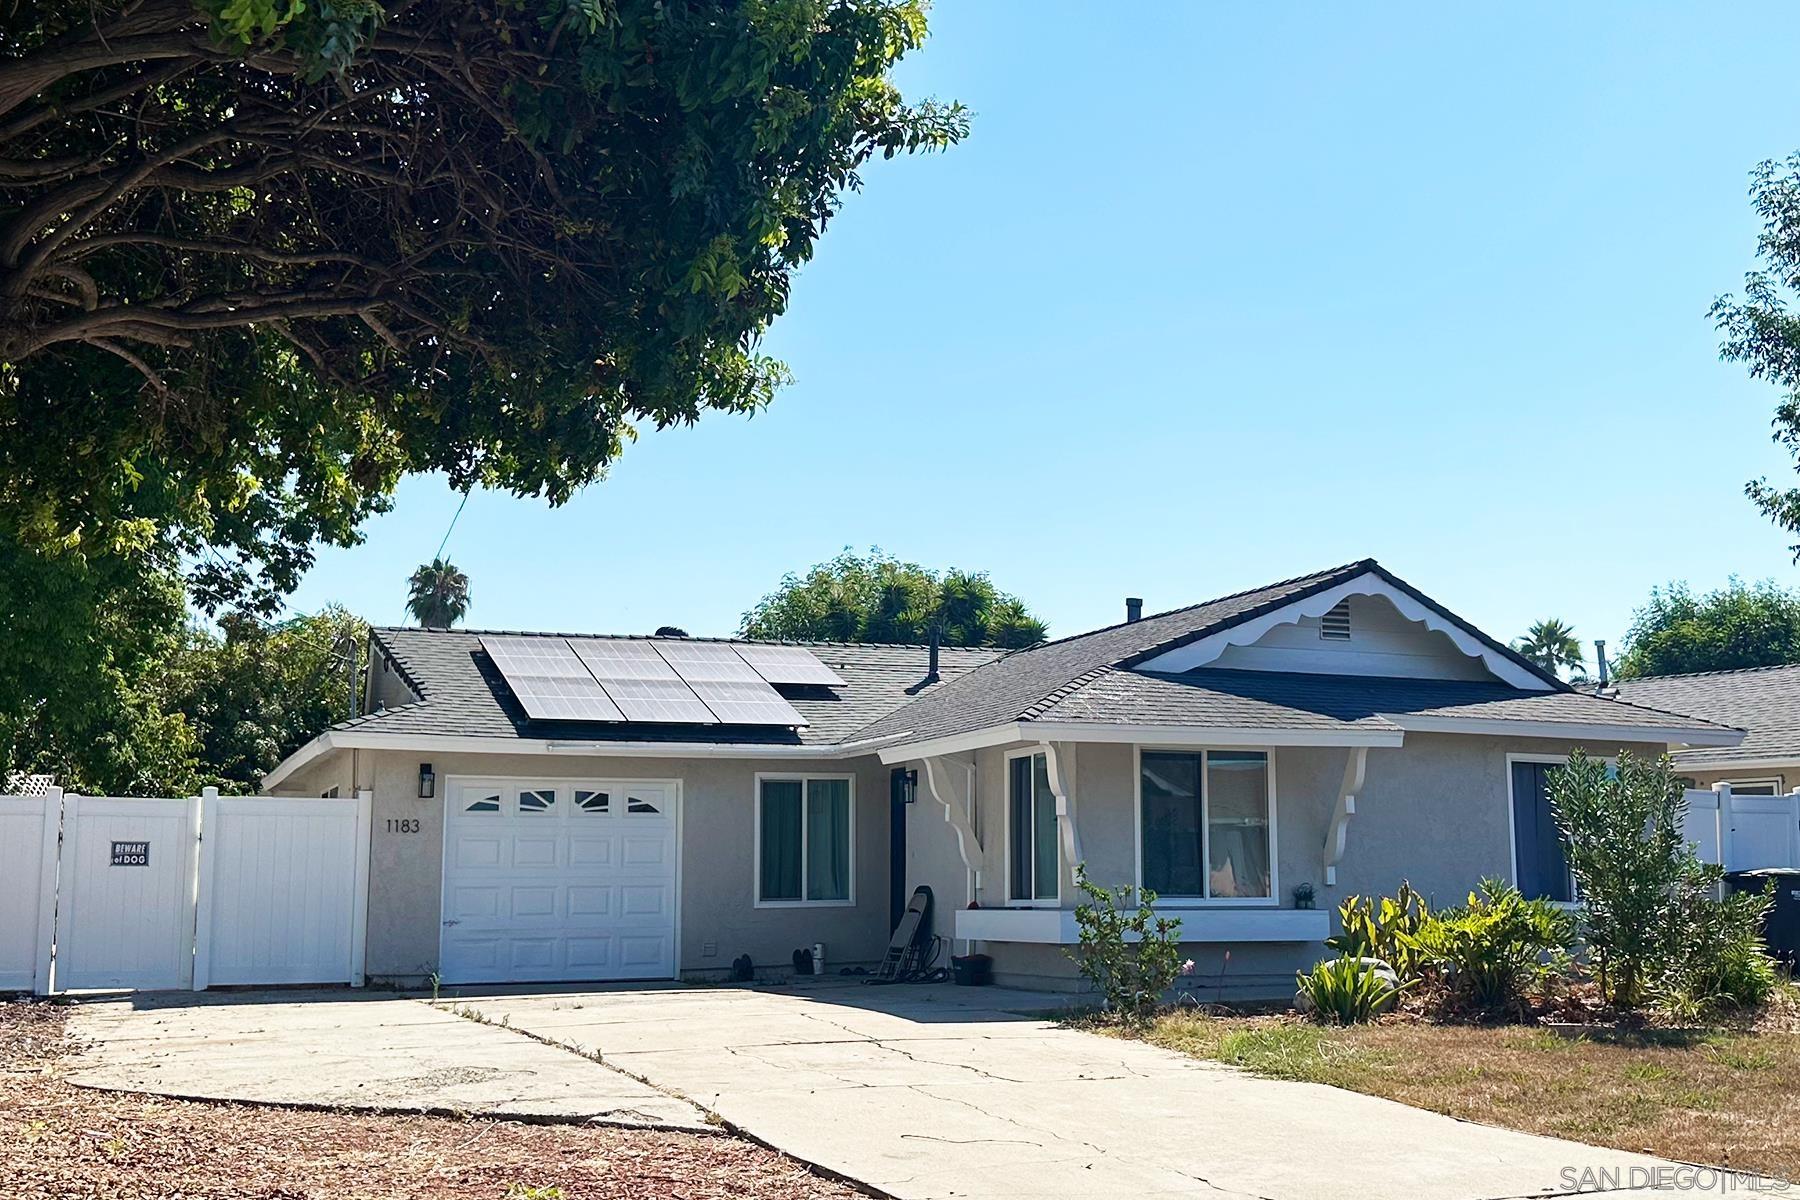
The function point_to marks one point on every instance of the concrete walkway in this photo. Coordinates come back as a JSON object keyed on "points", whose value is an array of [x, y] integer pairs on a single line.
{"points": [[343, 1049], [938, 1092]]}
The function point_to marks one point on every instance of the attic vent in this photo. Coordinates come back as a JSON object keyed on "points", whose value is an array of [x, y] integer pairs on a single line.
{"points": [[1334, 626]]}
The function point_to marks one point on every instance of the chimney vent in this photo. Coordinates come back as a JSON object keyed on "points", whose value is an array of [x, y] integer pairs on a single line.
{"points": [[1134, 608], [931, 673]]}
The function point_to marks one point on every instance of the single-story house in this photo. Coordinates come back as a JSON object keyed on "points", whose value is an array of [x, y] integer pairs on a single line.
{"points": [[568, 807], [1763, 701]]}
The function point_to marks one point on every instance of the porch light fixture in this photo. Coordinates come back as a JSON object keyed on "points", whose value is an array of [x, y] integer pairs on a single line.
{"points": [[427, 782], [911, 787]]}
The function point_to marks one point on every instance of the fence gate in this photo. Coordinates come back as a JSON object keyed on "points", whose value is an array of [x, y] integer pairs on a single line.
{"points": [[1743, 832], [283, 890], [125, 897], [28, 832]]}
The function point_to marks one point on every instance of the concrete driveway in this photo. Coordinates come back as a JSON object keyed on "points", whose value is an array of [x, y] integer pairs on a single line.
{"points": [[940, 1091], [921, 1092]]}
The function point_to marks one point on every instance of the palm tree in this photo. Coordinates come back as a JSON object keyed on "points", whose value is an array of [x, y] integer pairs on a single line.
{"points": [[439, 596], [1552, 645]]}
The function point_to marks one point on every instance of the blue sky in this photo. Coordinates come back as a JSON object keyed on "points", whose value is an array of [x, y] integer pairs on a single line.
{"points": [[1219, 295]]}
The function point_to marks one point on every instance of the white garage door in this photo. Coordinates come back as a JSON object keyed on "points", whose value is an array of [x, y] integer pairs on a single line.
{"points": [[558, 881]]}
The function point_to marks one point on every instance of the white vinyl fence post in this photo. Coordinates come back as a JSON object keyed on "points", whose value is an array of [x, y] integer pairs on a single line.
{"points": [[359, 920], [1723, 792], [1793, 813], [207, 806], [47, 885]]}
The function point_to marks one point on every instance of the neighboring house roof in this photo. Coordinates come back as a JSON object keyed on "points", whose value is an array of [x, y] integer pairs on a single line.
{"points": [[463, 695], [1763, 700]]}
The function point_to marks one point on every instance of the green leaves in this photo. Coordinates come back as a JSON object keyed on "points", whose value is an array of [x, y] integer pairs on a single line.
{"points": [[1348, 990], [878, 598], [1739, 625], [1131, 955]]}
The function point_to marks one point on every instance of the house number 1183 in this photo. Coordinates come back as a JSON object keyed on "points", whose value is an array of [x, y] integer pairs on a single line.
{"points": [[403, 825]]}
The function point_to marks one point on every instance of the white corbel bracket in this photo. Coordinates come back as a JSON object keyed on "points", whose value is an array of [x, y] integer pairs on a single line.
{"points": [[1339, 832], [1059, 765], [957, 816]]}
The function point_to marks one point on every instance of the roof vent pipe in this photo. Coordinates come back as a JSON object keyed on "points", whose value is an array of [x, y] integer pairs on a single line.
{"points": [[1134, 608], [931, 672], [1600, 658]]}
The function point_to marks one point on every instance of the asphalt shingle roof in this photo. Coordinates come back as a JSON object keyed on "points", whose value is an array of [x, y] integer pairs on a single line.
{"points": [[1763, 700], [1284, 700], [1086, 678], [464, 695]]}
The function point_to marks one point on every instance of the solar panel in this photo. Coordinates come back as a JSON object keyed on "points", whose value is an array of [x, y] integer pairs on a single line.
{"points": [[641, 682], [736, 694], [549, 680], [788, 664]]}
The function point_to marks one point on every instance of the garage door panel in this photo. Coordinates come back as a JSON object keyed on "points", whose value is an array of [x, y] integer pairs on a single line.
{"points": [[474, 852], [531, 902], [589, 901], [590, 953], [541, 887], [535, 850], [589, 851]]}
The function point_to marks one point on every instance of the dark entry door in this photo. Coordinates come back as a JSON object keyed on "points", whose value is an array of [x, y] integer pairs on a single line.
{"points": [[900, 783], [1543, 868]]}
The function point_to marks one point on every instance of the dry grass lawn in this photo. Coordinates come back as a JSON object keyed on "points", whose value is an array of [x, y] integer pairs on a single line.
{"points": [[1728, 1098], [61, 1141]]}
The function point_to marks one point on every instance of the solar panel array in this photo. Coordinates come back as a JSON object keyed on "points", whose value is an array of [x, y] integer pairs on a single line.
{"points": [[642, 683], [789, 664], [728, 684], [549, 680], [659, 681]]}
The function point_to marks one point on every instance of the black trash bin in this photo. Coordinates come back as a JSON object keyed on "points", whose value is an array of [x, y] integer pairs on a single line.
{"points": [[1782, 929], [972, 970]]}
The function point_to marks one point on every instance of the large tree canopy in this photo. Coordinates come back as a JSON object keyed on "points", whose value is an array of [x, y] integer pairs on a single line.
{"points": [[1761, 330], [877, 598], [259, 258], [1739, 625]]}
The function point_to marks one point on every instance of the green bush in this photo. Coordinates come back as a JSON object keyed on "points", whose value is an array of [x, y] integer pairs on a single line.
{"points": [[1347, 991], [1653, 918], [1498, 945], [1386, 928], [1131, 957]]}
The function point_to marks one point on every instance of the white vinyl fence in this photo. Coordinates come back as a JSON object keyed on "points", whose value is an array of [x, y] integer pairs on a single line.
{"points": [[163, 893], [1744, 833]]}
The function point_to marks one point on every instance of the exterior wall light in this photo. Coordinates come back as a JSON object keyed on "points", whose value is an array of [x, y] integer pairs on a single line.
{"points": [[427, 782]]}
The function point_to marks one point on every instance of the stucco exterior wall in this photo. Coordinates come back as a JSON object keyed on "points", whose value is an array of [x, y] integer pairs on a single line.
{"points": [[1785, 775], [1435, 812], [718, 855]]}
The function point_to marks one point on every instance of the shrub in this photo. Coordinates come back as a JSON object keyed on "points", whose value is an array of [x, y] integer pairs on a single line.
{"points": [[1652, 915], [1498, 945], [1347, 990], [1131, 958], [1386, 929]]}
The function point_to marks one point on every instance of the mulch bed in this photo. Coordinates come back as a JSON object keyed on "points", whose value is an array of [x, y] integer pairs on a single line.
{"points": [[63, 1142]]}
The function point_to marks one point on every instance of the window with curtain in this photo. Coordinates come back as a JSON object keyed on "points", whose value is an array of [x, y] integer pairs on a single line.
{"points": [[1032, 871], [804, 834], [1205, 821]]}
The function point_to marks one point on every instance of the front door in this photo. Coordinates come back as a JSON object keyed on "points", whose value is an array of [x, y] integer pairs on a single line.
{"points": [[552, 881], [1541, 868]]}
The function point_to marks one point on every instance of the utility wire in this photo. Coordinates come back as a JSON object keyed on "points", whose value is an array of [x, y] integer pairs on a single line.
{"points": [[453, 521]]}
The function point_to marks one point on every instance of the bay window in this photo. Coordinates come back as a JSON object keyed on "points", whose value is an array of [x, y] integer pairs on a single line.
{"points": [[1206, 822]]}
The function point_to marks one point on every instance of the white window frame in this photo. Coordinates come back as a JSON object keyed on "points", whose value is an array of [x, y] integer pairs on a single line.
{"points": [[802, 777], [1512, 831], [1772, 781], [1273, 899], [1006, 831]]}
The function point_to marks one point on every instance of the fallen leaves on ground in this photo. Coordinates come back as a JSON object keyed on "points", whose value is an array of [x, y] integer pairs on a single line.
{"points": [[63, 1142]]}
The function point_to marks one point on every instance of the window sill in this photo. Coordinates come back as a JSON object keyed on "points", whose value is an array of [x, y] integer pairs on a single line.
{"points": [[805, 904], [1056, 926]]}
